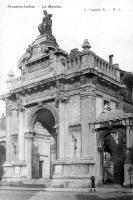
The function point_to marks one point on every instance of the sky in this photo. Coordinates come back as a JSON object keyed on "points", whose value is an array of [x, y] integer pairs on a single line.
{"points": [[107, 24]]}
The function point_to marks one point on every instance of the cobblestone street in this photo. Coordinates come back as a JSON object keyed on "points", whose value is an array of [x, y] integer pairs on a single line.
{"points": [[50, 195]]}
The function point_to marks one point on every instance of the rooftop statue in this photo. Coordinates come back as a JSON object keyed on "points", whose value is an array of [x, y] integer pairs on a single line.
{"points": [[46, 26]]}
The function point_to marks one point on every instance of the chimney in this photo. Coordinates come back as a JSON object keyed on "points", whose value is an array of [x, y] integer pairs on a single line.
{"points": [[111, 59]]}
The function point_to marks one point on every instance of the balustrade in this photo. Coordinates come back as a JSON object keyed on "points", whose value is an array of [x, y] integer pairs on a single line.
{"points": [[72, 65], [104, 67]]}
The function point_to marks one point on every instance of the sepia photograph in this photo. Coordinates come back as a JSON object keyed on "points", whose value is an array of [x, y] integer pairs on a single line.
{"points": [[66, 100]]}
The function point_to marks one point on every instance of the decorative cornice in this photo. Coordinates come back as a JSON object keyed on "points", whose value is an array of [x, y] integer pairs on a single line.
{"points": [[66, 77]]}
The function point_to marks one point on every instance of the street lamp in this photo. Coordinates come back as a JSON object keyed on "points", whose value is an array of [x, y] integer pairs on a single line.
{"points": [[130, 174]]}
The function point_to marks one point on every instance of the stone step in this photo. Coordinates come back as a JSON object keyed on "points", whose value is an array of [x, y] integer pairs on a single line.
{"points": [[37, 182], [43, 183]]}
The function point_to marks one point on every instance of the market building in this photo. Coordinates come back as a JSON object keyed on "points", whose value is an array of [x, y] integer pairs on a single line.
{"points": [[68, 116]]}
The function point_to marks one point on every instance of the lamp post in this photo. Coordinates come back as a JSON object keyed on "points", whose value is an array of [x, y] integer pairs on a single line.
{"points": [[130, 174]]}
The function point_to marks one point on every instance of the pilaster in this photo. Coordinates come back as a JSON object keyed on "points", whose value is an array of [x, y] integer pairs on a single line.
{"points": [[61, 102], [88, 111], [21, 135], [28, 153]]}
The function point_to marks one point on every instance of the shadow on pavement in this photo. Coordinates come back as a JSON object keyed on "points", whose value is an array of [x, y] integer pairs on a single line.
{"points": [[96, 197]]}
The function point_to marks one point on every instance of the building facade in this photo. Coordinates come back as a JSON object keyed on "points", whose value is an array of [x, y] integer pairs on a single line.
{"points": [[68, 116]]}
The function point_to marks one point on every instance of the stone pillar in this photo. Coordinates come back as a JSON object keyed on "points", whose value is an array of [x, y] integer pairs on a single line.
{"points": [[21, 135], [28, 153], [88, 104]]}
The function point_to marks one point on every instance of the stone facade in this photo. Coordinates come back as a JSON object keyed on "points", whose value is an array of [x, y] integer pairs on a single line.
{"points": [[59, 111]]}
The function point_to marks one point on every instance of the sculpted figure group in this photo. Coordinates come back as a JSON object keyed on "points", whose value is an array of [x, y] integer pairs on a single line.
{"points": [[46, 26]]}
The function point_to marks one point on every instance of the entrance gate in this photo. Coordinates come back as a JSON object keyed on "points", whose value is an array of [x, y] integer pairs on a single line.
{"points": [[113, 157]]}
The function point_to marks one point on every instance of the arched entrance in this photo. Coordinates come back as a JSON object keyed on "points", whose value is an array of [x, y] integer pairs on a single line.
{"points": [[113, 157], [44, 146]]}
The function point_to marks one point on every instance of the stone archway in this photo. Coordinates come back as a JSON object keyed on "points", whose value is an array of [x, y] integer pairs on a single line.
{"points": [[44, 146], [34, 112], [113, 143]]}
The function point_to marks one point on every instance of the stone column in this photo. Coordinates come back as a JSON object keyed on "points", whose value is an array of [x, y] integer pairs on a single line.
{"points": [[28, 153], [21, 135]]}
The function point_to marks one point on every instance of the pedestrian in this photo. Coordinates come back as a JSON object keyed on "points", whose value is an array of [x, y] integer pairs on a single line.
{"points": [[122, 181], [93, 189]]}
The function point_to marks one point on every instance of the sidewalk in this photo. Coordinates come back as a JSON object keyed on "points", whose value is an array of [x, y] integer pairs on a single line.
{"points": [[98, 189]]}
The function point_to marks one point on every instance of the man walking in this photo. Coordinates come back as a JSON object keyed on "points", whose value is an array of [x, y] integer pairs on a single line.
{"points": [[93, 189]]}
